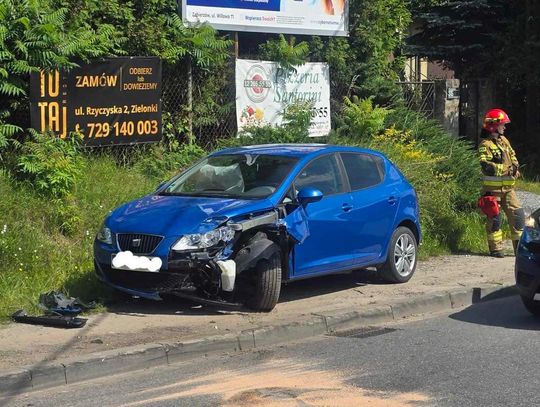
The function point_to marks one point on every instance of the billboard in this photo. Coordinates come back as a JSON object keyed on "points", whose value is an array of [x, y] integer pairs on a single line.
{"points": [[110, 102], [311, 17], [264, 89]]}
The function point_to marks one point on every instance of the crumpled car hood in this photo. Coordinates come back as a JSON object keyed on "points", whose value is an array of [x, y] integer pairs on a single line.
{"points": [[179, 215]]}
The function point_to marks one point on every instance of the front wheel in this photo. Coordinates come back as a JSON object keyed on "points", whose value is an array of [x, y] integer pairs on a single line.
{"points": [[532, 306], [267, 284], [402, 256]]}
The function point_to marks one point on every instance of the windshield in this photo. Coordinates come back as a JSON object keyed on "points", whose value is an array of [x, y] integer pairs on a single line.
{"points": [[239, 176]]}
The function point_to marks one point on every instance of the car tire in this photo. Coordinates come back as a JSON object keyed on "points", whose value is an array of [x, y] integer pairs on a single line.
{"points": [[267, 284], [402, 256], [532, 306]]}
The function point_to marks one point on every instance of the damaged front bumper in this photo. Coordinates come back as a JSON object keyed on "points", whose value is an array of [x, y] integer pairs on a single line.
{"points": [[152, 286], [207, 276]]}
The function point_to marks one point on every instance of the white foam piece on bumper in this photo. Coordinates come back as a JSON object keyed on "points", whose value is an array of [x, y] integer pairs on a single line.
{"points": [[228, 274]]}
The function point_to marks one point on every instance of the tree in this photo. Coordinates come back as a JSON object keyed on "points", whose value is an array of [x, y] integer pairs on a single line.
{"points": [[59, 34], [368, 62], [34, 37], [466, 34], [287, 54], [494, 39]]}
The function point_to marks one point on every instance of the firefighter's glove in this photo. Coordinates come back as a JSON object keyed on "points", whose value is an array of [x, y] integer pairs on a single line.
{"points": [[487, 168]]}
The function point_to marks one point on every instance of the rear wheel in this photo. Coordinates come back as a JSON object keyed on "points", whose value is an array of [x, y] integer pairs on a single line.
{"points": [[267, 284], [532, 306], [401, 261]]}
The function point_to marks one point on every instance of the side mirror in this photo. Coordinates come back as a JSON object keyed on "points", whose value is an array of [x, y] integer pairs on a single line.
{"points": [[309, 195]]}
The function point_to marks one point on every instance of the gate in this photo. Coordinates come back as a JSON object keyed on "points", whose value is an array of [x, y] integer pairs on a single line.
{"points": [[469, 110], [419, 96]]}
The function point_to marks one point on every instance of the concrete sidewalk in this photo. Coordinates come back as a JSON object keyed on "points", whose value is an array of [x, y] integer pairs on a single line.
{"points": [[137, 333]]}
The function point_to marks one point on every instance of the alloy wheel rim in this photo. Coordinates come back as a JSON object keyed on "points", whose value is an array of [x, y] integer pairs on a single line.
{"points": [[404, 255]]}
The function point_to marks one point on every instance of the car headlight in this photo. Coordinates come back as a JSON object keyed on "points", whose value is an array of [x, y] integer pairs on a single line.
{"points": [[530, 240], [205, 240], [104, 235]]}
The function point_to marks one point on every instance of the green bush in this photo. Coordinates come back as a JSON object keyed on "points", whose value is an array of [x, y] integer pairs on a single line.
{"points": [[34, 36], [443, 170], [458, 157], [294, 129], [162, 163], [361, 120], [51, 165]]}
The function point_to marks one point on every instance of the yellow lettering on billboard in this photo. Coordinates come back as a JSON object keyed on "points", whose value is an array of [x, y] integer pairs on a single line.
{"points": [[54, 116], [42, 106], [54, 84]]}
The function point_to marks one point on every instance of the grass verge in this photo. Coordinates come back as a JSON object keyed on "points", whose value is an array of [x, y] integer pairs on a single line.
{"points": [[35, 257], [528, 185]]}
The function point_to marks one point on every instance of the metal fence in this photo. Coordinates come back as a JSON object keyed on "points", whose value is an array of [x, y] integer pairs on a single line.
{"points": [[419, 96], [201, 106], [208, 114], [211, 120], [469, 110]]}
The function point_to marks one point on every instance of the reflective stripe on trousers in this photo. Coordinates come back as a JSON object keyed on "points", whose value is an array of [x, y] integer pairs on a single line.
{"points": [[499, 182], [511, 206], [496, 237]]}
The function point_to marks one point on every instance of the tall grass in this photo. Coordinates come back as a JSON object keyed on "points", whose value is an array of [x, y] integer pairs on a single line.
{"points": [[35, 257]]}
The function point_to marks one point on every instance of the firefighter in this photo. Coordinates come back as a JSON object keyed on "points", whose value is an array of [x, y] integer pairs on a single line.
{"points": [[501, 169]]}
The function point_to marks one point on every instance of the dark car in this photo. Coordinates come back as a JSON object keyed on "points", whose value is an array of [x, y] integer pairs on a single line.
{"points": [[241, 221], [528, 265]]}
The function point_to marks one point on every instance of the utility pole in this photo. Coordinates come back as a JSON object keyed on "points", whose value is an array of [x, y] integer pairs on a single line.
{"points": [[191, 137]]}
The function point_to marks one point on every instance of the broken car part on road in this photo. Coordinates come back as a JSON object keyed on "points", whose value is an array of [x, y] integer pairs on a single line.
{"points": [[60, 311], [59, 321]]}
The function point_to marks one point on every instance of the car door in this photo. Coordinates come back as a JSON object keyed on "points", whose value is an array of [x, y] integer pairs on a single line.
{"points": [[374, 205], [327, 247]]}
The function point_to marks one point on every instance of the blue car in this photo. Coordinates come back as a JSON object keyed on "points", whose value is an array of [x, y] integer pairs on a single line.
{"points": [[527, 268], [236, 225]]}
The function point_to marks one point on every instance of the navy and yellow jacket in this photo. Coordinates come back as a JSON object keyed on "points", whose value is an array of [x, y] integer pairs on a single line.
{"points": [[499, 164]]}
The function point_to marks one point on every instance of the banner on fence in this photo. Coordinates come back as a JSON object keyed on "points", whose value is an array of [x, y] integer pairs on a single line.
{"points": [[110, 102], [311, 17], [263, 91]]}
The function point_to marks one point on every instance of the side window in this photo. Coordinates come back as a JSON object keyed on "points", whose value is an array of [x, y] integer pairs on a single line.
{"points": [[323, 174], [363, 170]]}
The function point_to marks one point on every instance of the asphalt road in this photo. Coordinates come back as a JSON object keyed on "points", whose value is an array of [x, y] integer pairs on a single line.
{"points": [[485, 355]]}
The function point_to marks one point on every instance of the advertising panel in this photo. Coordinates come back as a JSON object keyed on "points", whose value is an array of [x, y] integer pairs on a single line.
{"points": [[310, 17], [110, 102], [263, 91]]}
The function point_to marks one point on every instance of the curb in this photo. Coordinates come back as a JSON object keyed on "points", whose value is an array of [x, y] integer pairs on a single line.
{"points": [[121, 360]]}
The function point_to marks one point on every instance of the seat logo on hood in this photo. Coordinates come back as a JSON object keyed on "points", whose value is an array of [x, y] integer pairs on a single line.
{"points": [[136, 243]]}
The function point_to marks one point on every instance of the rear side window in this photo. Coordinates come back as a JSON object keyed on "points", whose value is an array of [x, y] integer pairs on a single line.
{"points": [[363, 170], [322, 174]]}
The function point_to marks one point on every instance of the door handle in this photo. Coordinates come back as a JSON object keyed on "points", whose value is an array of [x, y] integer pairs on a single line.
{"points": [[392, 200], [347, 207]]}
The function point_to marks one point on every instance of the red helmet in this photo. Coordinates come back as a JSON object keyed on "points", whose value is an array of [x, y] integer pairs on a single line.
{"points": [[495, 117]]}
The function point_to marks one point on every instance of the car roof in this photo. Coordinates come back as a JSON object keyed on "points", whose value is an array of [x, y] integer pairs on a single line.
{"points": [[291, 150]]}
